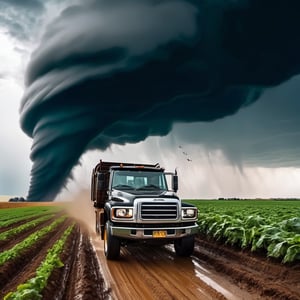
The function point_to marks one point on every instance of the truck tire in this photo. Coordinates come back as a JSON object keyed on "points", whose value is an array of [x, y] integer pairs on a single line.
{"points": [[111, 244], [184, 246]]}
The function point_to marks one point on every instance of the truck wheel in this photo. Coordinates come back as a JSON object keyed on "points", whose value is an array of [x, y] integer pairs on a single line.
{"points": [[184, 246], [111, 244]]}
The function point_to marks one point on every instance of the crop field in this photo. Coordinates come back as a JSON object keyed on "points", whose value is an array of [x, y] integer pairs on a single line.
{"points": [[246, 249], [43, 255], [268, 226]]}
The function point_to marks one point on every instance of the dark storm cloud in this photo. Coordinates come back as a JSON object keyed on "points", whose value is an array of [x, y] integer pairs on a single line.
{"points": [[19, 17], [118, 71], [265, 134]]}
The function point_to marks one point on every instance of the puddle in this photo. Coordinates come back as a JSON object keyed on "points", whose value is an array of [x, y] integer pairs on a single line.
{"points": [[213, 280]]}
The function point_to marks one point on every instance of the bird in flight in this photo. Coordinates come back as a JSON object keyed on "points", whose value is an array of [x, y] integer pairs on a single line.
{"points": [[184, 153]]}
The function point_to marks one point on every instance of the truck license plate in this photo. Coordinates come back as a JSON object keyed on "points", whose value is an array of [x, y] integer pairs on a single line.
{"points": [[159, 233]]}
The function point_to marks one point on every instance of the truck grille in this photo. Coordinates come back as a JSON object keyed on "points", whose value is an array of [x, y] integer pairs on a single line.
{"points": [[159, 211]]}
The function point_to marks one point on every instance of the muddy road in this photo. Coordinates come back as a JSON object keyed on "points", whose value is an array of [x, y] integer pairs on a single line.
{"points": [[213, 272], [156, 273]]}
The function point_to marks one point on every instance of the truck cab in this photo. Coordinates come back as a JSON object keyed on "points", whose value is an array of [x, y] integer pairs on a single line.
{"points": [[133, 203]]}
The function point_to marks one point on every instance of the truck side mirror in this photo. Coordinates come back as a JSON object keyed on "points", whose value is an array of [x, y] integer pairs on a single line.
{"points": [[100, 179], [175, 183]]}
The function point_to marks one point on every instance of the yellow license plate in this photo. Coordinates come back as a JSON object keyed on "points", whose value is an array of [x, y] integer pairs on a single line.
{"points": [[159, 233]]}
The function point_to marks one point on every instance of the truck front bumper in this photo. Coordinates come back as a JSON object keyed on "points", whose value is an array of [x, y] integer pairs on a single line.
{"points": [[154, 232]]}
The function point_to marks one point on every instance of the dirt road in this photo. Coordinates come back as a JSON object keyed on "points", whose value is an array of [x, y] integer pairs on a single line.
{"points": [[213, 272]]}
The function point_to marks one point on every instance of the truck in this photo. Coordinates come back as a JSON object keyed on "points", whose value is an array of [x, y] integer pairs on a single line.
{"points": [[134, 204]]}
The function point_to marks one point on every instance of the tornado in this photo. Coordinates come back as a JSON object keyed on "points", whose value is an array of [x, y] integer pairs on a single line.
{"points": [[118, 71]]}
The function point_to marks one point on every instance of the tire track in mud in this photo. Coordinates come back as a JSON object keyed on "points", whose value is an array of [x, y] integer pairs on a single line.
{"points": [[145, 272], [214, 271], [173, 275]]}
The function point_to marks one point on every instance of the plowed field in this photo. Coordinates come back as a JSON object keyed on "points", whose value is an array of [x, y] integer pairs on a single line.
{"points": [[213, 272], [79, 278]]}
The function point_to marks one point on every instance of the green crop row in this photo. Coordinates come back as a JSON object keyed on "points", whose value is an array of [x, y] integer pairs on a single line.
{"points": [[7, 213], [14, 231], [13, 215], [273, 226], [32, 289], [28, 242]]}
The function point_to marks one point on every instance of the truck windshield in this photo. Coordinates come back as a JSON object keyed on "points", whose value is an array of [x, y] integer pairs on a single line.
{"points": [[139, 180]]}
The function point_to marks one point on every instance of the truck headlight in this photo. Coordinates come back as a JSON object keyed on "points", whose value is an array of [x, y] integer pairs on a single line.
{"points": [[123, 212], [189, 213]]}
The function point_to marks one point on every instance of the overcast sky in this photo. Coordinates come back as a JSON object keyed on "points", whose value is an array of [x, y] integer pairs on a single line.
{"points": [[246, 149]]}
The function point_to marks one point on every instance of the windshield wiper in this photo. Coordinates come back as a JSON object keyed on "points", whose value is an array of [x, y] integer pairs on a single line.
{"points": [[122, 186], [149, 187]]}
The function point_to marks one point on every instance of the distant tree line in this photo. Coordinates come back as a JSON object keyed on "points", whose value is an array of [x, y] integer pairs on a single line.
{"points": [[235, 198], [17, 199]]}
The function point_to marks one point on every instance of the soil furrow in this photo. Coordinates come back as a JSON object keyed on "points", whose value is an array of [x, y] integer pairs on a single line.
{"points": [[268, 278], [22, 268], [13, 240], [14, 225], [80, 278]]}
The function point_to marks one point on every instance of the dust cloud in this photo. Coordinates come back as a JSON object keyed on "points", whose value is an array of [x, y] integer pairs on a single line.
{"points": [[80, 207]]}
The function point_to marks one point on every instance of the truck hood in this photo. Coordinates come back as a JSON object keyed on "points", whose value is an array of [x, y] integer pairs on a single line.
{"points": [[128, 197]]}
